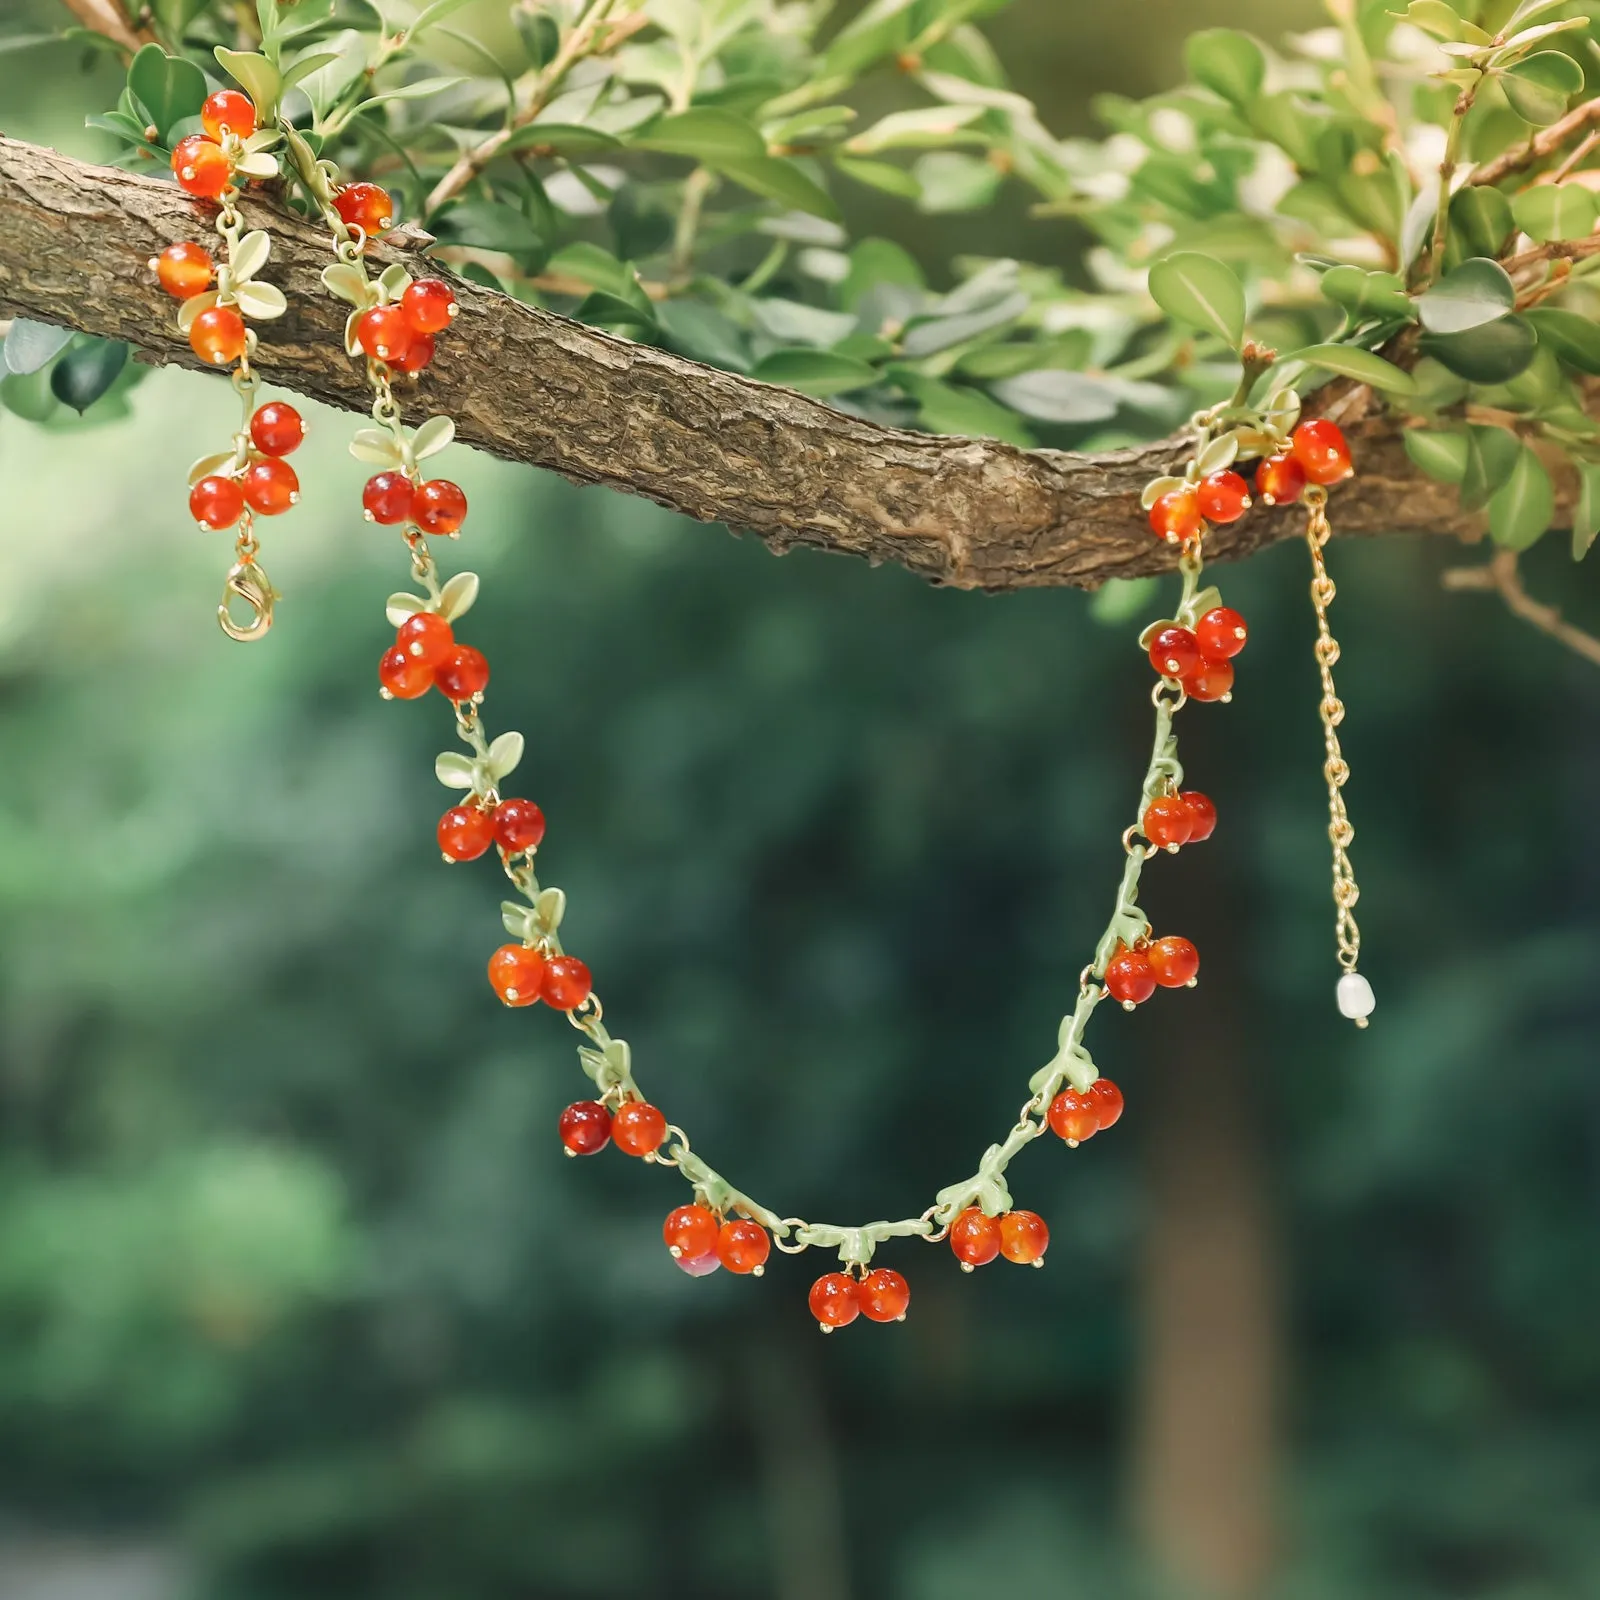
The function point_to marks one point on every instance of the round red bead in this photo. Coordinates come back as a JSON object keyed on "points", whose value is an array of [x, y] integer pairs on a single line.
{"points": [[387, 497], [200, 167], [383, 333], [639, 1129], [418, 354], [1221, 633], [1173, 961], [518, 826], [1176, 516], [228, 110], [185, 270], [218, 336], [1024, 1238], [277, 429], [1174, 651], [430, 305], [1106, 1098], [216, 502], [439, 507], [464, 833], [1072, 1116], [1167, 821], [365, 206], [585, 1127], [1129, 978], [834, 1301], [1202, 815], [1209, 681], [1280, 480], [426, 636], [515, 973], [402, 676], [1223, 497], [462, 673], [743, 1245], [883, 1296], [567, 983], [690, 1232], [975, 1237], [270, 486], [1321, 450]]}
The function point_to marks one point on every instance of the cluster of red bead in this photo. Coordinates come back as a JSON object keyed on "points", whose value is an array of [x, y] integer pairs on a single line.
{"points": [[1201, 658], [425, 656], [1136, 971], [402, 334], [976, 1238], [1076, 1115], [699, 1241], [204, 163], [636, 1128], [263, 481], [837, 1299], [436, 506]]}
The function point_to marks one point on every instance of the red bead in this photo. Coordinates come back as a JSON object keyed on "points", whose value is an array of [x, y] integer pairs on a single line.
{"points": [[277, 429], [639, 1129], [690, 1232], [1174, 652], [1209, 681], [1024, 1238], [567, 983], [1221, 633], [743, 1246], [440, 507], [1129, 978], [185, 270], [1072, 1116], [270, 486], [387, 497], [699, 1266], [365, 206], [402, 676], [426, 637], [1320, 448], [218, 336], [464, 833], [1202, 815], [463, 673], [834, 1301], [1223, 497], [515, 973], [1174, 961], [975, 1237], [383, 333], [429, 305], [1176, 516], [1167, 822], [216, 502], [418, 354], [883, 1296], [200, 167], [1106, 1098], [1280, 480], [518, 826], [230, 110], [585, 1127]]}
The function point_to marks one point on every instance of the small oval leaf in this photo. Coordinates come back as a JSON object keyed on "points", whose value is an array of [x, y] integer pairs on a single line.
{"points": [[1200, 292], [1362, 365]]}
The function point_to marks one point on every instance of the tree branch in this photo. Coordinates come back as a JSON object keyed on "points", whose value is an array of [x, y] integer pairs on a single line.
{"points": [[1544, 143], [527, 385], [110, 18], [1500, 575]]}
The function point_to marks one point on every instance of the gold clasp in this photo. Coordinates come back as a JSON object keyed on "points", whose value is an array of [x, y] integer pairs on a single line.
{"points": [[247, 582]]}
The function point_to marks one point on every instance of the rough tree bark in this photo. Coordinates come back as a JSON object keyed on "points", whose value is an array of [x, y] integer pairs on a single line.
{"points": [[527, 385]]}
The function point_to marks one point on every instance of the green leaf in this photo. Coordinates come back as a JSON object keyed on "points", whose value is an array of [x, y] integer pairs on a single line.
{"points": [[711, 135], [29, 396], [33, 345], [1539, 87], [1480, 219], [1367, 294], [562, 138], [1494, 353], [880, 175], [1442, 456], [168, 87], [1201, 292], [490, 226], [258, 77], [951, 408], [1228, 63], [1586, 513], [924, 336], [613, 310], [1520, 512], [950, 181], [435, 11], [815, 372], [1570, 337], [1362, 365], [781, 180], [1555, 211], [1288, 122], [597, 267], [1052, 395], [1441, 20], [702, 333], [1477, 292], [86, 371], [875, 261], [1491, 456], [924, 127]]}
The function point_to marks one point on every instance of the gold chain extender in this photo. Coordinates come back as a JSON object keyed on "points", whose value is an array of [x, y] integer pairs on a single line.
{"points": [[1354, 993]]}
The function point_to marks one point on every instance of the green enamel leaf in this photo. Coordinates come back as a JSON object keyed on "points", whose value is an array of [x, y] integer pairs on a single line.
{"points": [[1479, 291], [1555, 211], [815, 372], [168, 87], [1539, 87], [1442, 456], [1570, 337], [1228, 63], [1520, 512], [1493, 353], [1200, 292], [1586, 513], [1362, 365]]}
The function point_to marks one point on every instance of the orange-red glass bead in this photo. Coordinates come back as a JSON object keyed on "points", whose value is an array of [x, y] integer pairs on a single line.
{"points": [[419, 352], [1106, 1098], [185, 269], [387, 497], [1072, 1116], [518, 826], [639, 1129], [1174, 652], [690, 1232], [429, 305], [1129, 978], [585, 1127], [383, 333], [200, 167], [1024, 1238], [228, 110], [1176, 516], [427, 637], [1223, 497], [1321, 450], [439, 506], [218, 336], [1173, 961], [365, 206], [1202, 815], [463, 673], [515, 973], [464, 833], [402, 676], [277, 429], [1167, 822], [216, 502], [743, 1245], [834, 1301], [975, 1237], [567, 983], [1280, 480], [271, 487], [1221, 633], [883, 1296], [1211, 680]]}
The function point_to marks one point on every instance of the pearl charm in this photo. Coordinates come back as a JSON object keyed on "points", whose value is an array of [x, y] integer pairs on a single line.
{"points": [[1355, 998]]}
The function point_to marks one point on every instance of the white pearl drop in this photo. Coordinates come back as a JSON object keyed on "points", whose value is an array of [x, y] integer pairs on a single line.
{"points": [[1355, 997]]}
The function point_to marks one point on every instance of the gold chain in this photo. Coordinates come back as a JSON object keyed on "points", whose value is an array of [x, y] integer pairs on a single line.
{"points": [[1335, 768]]}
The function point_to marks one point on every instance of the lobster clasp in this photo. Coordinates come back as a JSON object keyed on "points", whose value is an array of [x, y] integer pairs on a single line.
{"points": [[247, 582]]}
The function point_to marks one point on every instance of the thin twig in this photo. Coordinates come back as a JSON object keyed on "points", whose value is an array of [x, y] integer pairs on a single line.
{"points": [[1544, 143], [1501, 576], [110, 18]]}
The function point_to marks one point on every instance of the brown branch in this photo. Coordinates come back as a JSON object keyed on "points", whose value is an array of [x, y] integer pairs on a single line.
{"points": [[1544, 143], [527, 385], [1501, 576], [110, 18]]}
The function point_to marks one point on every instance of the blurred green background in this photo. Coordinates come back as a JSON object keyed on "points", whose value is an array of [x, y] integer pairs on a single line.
{"points": [[298, 1299]]}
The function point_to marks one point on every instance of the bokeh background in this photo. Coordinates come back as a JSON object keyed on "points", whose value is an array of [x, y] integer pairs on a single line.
{"points": [[298, 1298]]}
